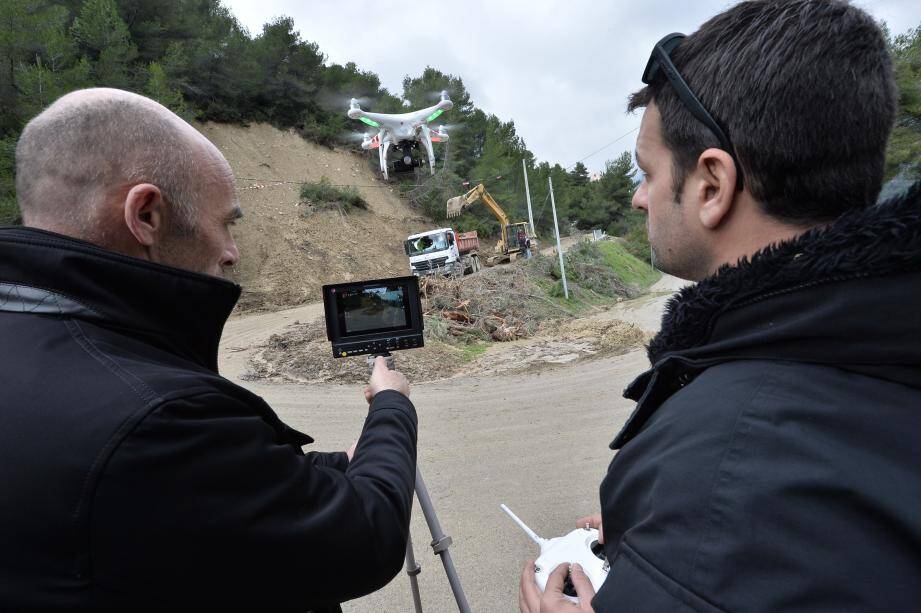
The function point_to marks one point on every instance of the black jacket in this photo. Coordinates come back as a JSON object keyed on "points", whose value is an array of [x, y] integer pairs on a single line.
{"points": [[133, 477], [773, 462]]}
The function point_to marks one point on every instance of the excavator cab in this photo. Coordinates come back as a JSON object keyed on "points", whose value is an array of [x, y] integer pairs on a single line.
{"points": [[515, 236]]}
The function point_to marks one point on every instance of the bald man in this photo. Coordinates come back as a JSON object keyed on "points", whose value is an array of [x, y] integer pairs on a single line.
{"points": [[133, 476]]}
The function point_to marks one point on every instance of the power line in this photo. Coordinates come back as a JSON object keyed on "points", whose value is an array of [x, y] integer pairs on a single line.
{"points": [[602, 148], [542, 208], [280, 181]]}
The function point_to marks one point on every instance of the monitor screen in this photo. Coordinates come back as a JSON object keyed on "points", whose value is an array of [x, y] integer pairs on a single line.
{"points": [[366, 310]]}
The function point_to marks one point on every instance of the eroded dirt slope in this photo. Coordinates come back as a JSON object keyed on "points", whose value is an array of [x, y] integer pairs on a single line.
{"points": [[286, 255]]}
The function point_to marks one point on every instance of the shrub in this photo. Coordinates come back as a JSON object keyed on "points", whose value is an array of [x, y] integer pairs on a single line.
{"points": [[323, 195], [636, 238]]}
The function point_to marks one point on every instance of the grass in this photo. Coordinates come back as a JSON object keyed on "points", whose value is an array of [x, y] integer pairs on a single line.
{"points": [[628, 267], [599, 271], [474, 350], [323, 195]]}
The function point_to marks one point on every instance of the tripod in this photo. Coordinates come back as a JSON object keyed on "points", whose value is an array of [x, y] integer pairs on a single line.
{"points": [[440, 543]]}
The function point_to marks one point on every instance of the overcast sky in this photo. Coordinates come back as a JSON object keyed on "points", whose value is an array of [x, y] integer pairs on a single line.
{"points": [[562, 70]]}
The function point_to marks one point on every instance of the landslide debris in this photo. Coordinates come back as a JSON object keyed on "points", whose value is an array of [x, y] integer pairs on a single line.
{"points": [[500, 320]]}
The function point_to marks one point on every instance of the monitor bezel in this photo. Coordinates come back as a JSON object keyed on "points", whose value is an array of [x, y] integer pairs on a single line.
{"points": [[335, 327]]}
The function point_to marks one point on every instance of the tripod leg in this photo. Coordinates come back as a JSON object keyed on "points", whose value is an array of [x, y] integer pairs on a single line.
{"points": [[413, 569], [440, 543]]}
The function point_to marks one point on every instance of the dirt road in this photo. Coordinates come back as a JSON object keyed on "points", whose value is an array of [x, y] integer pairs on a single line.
{"points": [[537, 442]]}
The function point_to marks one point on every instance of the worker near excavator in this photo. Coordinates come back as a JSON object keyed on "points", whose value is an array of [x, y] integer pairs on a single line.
{"points": [[524, 243], [135, 477]]}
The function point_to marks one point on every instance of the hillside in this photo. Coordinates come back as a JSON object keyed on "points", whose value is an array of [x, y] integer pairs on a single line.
{"points": [[288, 250]]}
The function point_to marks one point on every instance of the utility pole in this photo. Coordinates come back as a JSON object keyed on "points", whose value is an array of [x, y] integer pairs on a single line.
{"points": [[559, 248], [527, 191]]}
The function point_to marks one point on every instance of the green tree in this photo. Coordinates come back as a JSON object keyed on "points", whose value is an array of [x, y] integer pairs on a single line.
{"points": [[103, 38], [292, 73], [615, 189], [903, 156], [158, 87], [579, 174]]}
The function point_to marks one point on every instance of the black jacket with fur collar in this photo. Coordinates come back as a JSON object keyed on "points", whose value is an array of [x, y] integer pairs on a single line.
{"points": [[772, 460]]}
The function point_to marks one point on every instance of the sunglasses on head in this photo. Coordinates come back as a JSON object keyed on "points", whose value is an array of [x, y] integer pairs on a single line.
{"points": [[660, 60]]}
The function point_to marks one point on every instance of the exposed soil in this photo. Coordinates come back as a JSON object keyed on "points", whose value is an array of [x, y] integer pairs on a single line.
{"points": [[288, 250]]}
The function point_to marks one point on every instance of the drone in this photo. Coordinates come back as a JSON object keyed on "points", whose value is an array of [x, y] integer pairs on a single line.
{"points": [[404, 130]]}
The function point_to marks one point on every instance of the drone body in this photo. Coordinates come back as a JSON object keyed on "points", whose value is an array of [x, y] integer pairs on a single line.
{"points": [[403, 130]]}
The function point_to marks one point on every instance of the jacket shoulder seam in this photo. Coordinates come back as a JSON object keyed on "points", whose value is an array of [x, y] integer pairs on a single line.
{"points": [[141, 389], [721, 476]]}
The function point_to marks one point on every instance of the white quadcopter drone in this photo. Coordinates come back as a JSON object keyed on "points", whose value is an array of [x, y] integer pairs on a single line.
{"points": [[579, 546], [405, 130]]}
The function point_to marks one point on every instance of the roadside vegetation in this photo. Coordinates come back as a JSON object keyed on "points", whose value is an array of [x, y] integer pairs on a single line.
{"points": [[516, 301], [324, 195]]}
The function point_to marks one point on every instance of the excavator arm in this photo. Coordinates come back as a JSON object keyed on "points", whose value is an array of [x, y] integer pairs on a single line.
{"points": [[457, 204]]}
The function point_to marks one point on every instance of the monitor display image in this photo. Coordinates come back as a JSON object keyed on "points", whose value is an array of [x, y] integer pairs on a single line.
{"points": [[373, 309]]}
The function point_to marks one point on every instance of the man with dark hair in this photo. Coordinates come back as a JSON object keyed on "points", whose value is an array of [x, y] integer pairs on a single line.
{"points": [[134, 477], [771, 462]]}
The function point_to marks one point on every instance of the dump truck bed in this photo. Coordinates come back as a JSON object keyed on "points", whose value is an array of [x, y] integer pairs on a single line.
{"points": [[467, 242]]}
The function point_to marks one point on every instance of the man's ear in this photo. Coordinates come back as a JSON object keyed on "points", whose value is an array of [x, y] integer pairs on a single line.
{"points": [[145, 213], [716, 187]]}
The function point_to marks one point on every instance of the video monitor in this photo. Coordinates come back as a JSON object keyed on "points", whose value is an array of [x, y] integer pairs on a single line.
{"points": [[373, 316]]}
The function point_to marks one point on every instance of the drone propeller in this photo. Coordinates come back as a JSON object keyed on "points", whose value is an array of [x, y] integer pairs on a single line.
{"points": [[357, 136], [436, 96], [361, 100]]}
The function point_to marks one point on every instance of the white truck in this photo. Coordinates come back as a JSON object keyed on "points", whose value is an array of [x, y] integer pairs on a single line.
{"points": [[443, 251]]}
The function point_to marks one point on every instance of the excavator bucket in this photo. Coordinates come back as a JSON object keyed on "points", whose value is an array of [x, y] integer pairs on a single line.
{"points": [[456, 205]]}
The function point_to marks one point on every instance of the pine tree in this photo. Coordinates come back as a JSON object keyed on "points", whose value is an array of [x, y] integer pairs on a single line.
{"points": [[158, 88], [103, 38]]}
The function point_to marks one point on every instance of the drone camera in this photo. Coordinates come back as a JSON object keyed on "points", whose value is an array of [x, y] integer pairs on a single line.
{"points": [[373, 317]]}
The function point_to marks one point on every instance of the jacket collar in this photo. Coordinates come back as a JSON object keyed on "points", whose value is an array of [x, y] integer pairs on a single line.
{"points": [[846, 293], [180, 311]]}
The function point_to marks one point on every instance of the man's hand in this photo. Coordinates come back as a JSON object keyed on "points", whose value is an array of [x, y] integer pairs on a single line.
{"points": [[592, 521], [382, 378], [530, 600]]}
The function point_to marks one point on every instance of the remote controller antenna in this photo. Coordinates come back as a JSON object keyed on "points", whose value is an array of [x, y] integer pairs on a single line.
{"points": [[540, 541]]}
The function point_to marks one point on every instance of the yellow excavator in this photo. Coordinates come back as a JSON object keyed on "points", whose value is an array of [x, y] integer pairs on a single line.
{"points": [[512, 237]]}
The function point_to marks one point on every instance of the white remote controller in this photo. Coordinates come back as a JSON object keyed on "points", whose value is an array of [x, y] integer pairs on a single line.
{"points": [[579, 546]]}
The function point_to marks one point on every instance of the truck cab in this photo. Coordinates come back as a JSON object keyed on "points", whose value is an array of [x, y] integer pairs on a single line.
{"points": [[433, 252]]}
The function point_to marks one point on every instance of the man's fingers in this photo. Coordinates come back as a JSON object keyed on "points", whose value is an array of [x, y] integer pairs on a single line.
{"points": [[528, 592], [592, 521], [378, 366], [584, 589], [369, 396], [556, 579]]}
